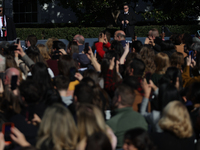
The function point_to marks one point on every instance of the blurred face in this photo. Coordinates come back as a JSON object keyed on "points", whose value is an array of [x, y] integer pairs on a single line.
{"points": [[128, 145], [126, 8], [27, 43], [115, 35]]}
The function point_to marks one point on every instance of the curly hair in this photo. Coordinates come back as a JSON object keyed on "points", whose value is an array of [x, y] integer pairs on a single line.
{"points": [[162, 62], [176, 119], [177, 60], [148, 55], [139, 138], [49, 45], [43, 51]]}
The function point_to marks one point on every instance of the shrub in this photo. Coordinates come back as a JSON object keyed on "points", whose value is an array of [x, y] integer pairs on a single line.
{"points": [[92, 32]]}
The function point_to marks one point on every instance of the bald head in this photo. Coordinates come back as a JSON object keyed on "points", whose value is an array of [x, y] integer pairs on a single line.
{"points": [[154, 33], [9, 73], [119, 32], [79, 39]]}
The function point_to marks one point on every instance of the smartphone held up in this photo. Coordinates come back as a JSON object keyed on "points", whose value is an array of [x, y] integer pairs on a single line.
{"points": [[6, 129]]}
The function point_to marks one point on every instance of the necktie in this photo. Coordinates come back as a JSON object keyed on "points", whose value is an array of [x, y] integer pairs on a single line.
{"points": [[5, 32]]}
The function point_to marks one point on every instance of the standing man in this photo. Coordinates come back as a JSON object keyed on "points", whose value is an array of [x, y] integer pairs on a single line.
{"points": [[7, 27], [126, 21]]}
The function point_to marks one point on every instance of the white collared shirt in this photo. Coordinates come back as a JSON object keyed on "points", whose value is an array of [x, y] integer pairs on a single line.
{"points": [[126, 12], [1, 24]]}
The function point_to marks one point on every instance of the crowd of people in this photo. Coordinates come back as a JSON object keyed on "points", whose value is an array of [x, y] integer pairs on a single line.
{"points": [[112, 95]]}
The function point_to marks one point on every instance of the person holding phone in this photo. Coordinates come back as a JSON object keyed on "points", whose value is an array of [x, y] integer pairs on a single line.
{"points": [[15, 135], [101, 44], [190, 63]]}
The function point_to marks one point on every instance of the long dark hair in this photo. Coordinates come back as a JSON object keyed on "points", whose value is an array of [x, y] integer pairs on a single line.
{"points": [[98, 141], [167, 93], [34, 53], [64, 64], [41, 76]]}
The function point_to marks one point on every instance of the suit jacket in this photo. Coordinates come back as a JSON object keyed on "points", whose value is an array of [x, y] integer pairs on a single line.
{"points": [[11, 32], [129, 30]]}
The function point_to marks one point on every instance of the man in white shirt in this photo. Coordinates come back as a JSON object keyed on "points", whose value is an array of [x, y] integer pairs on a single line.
{"points": [[7, 27]]}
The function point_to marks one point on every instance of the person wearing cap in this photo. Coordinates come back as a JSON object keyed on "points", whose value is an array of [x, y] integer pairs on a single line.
{"points": [[126, 21], [7, 25]]}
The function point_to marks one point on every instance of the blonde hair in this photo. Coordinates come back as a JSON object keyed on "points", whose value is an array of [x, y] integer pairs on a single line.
{"points": [[43, 51], [49, 44], [162, 62], [177, 120], [57, 127], [90, 120]]}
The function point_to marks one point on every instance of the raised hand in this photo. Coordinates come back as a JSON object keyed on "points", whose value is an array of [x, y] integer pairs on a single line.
{"points": [[18, 137]]}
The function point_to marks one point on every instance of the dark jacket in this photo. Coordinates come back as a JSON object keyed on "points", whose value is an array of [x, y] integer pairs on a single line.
{"points": [[11, 32], [129, 29]]}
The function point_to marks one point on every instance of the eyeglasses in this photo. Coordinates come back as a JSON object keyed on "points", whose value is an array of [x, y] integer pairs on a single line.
{"points": [[125, 7]]}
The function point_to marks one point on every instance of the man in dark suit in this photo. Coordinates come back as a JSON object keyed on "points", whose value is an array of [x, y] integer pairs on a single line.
{"points": [[126, 21], [7, 27]]}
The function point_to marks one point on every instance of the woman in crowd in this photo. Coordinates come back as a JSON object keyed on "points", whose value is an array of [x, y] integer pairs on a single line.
{"points": [[43, 51], [57, 130], [90, 120], [177, 127], [166, 93], [72, 48], [148, 56], [177, 60], [49, 45], [162, 63], [35, 55]]}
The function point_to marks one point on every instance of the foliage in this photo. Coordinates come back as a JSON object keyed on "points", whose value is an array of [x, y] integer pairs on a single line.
{"points": [[173, 10], [93, 32], [93, 11], [105, 11]]}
